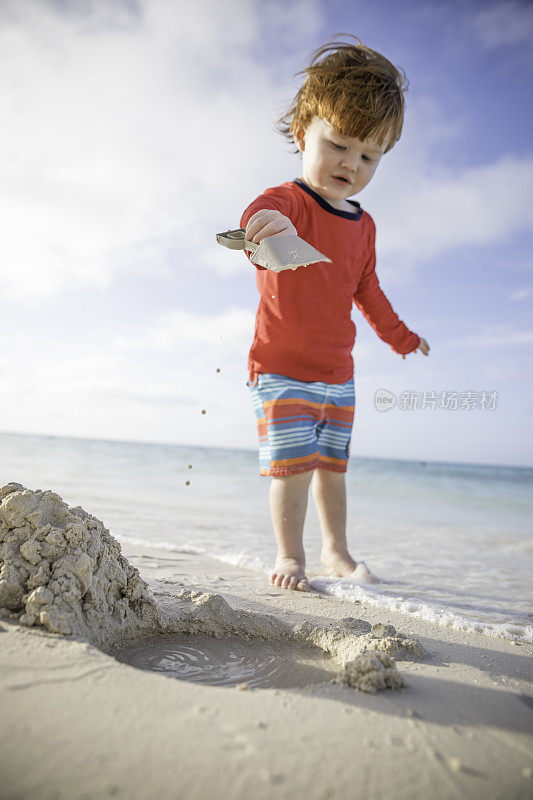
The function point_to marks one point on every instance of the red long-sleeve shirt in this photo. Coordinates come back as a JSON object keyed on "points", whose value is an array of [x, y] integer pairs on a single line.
{"points": [[303, 326]]}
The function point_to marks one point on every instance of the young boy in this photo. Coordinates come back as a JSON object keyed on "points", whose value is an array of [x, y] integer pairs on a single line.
{"points": [[345, 117]]}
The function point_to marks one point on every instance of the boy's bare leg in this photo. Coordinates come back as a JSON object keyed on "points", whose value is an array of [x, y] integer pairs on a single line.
{"points": [[329, 494], [288, 504]]}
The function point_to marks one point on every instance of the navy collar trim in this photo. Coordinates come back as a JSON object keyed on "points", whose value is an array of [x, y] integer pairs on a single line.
{"points": [[355, 215]]}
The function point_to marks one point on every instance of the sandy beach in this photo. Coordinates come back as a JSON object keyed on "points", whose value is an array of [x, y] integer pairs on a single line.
{"points": [[78, 723]]}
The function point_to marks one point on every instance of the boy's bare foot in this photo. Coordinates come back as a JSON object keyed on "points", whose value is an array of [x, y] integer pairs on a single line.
{"points": [[289, 573], [341, 565]]}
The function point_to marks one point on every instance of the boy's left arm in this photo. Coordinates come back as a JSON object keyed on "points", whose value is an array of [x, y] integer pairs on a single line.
{"points": [[373, 304]]}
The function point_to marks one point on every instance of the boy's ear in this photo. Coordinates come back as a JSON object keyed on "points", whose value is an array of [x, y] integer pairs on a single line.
{"points": [[299, 137]]}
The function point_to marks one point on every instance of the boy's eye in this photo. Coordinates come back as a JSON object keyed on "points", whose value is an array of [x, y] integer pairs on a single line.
{"points": [[341, 147]]}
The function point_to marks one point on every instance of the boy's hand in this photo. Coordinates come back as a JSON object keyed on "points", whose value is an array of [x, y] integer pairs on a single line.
{"points": [[268, 222], [423, 347]]}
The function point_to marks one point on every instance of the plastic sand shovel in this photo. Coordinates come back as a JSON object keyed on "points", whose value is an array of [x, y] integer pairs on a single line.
{"points": [[276, 253]]}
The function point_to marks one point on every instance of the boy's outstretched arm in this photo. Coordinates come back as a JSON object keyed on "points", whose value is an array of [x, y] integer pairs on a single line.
{"points": [[375, 307]]}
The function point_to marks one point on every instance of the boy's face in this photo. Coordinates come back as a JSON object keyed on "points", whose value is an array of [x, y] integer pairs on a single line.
{"points": [[326, 155]]}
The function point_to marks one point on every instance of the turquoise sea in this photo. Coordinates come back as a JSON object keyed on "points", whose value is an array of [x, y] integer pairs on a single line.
{"points": [[451, 542]]}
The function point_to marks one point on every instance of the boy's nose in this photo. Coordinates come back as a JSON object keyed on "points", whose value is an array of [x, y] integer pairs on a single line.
{"points": [[351, 165]]}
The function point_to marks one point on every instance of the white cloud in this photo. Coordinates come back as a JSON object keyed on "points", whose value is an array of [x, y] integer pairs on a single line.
{"points": [[486, 204], [148, 132], [224, 261], [504, 339], [522, 293], [152, 379], [179, 333], [134, 136], [498, 336], [507, 23]]}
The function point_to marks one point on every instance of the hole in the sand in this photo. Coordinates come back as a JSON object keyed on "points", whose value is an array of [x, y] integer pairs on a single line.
{"points": [[229, 661]]}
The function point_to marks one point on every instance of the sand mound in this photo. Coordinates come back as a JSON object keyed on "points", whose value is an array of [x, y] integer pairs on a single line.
{"points": [[353, 637], [61, 569], [370, 672]]}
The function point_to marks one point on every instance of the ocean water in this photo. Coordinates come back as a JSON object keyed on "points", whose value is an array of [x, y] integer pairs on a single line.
{"points": [[451, 543]]}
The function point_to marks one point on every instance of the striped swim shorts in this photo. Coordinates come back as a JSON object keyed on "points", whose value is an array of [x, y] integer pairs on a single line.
{"points": [[302, 425]]}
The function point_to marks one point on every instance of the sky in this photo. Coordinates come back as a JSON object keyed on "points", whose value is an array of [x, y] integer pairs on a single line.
{"points": [[133, 131]]}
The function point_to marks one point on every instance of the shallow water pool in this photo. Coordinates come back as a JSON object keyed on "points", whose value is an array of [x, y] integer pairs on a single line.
{"points": [[229, 661]]}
